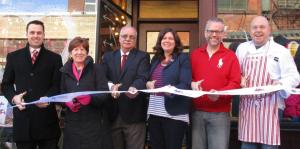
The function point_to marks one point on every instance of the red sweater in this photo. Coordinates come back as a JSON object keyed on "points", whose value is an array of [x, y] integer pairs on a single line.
{"points": [[220, 72]]}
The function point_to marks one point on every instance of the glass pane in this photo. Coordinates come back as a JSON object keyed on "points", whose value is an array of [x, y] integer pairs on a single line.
{"points": [[223, 4], [112, 21], [33, 6], [124, 4], [63, 21], [151, 40], [231, 4], [185, 40], [90, 1], [90, 8]]}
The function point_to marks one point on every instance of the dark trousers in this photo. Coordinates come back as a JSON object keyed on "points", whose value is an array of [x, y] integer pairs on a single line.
{"points": [[128, 136], [166, 133], [41, 144]]}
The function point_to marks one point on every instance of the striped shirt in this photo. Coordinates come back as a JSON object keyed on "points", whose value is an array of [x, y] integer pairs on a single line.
{"points": [[157, 101]]}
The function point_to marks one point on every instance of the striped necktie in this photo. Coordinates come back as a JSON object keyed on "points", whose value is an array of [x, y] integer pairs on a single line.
{"points": [[35, 53], [123, 62]]}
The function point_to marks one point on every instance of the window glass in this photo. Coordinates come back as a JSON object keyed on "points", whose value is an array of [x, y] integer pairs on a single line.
{"points": [[112, 20], [231, 5], [63, 20]]}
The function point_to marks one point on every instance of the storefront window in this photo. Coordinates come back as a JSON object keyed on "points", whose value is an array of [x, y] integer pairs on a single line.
{"points": [[232, 5], [63, 19], [112, 19]]}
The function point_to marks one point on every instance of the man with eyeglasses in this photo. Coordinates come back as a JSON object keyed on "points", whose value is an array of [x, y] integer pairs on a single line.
{"points": [[263, 63], [127, 69], [214, 67]]}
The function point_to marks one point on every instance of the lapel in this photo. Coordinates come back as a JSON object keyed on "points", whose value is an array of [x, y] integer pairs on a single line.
{"points": [[27, 55], [129, 62], [154, 63], [117, 62]]}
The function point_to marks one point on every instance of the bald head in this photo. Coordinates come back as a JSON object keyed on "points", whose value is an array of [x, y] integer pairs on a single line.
{"points": [[260, 30]]}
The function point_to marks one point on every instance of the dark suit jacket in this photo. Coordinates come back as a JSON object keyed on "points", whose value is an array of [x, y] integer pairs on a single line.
{"points": [[135, 74], [177, 73], [40, 79]]}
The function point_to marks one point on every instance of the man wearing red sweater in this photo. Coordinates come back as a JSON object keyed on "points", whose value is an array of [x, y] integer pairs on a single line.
{"points": [[213, 68]]}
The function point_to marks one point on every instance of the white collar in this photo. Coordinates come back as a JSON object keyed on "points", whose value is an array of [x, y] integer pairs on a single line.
{"points": [[122, 53], [32, 49]]}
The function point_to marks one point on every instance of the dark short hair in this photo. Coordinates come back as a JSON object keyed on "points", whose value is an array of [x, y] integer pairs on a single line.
{"points": [[36, 22], [159, 52], [78, 41]]}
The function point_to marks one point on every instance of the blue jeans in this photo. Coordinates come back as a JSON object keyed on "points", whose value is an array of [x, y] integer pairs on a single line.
{"points": [[210, 130], [247, 145]]}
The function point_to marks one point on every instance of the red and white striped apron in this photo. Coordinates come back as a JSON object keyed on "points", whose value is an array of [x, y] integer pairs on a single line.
{"points": [[258, 114]]}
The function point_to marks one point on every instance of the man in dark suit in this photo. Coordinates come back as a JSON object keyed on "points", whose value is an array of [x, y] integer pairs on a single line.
{"points": [[31, 73], [127, 69]]}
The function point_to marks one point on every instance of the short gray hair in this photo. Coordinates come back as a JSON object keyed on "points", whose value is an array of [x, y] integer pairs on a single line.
{"points": [[127, 26], [216, 20]]}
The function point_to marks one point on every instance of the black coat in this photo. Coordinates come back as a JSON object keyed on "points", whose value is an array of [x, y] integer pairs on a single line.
{"points": [[135, 74], [88, 128], [40, 79]]}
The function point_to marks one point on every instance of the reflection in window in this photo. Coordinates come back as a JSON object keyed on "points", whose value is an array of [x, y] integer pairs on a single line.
{"points": [[185, 40], [90, 6], [124, 5], [90, 1], [63, 19], [151, 41], [112, 20], [12, 44], [231, 5]]}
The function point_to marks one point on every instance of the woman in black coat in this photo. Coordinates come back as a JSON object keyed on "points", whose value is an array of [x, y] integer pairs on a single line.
{"points": [[86, 120]]}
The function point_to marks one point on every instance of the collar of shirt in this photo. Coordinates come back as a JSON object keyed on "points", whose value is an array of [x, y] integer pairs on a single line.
{"points": [[122, 53], [32, 49]]}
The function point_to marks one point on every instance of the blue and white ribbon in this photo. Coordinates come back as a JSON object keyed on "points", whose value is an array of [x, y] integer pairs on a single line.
{"points": [[173, 90]]}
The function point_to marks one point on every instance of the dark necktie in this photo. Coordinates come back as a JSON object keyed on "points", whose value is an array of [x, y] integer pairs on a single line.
{"points": [[35, 53], [123, 62]]}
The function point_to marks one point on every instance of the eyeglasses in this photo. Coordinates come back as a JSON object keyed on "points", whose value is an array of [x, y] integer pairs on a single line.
{"points": [[130, 37], [214, 31]]}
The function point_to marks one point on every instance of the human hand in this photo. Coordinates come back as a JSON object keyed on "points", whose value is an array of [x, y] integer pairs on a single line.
{"points": [[244, 81], [84, 99], [115, 88], [276, 82], [197, 85], [150, 84], [132, 92], [19, 101], [213, 97], [42, 104], [73, 105]]}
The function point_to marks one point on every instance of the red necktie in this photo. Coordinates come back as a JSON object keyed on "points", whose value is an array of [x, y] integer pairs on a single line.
{"points": [[123, 62], [35, 53]]}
